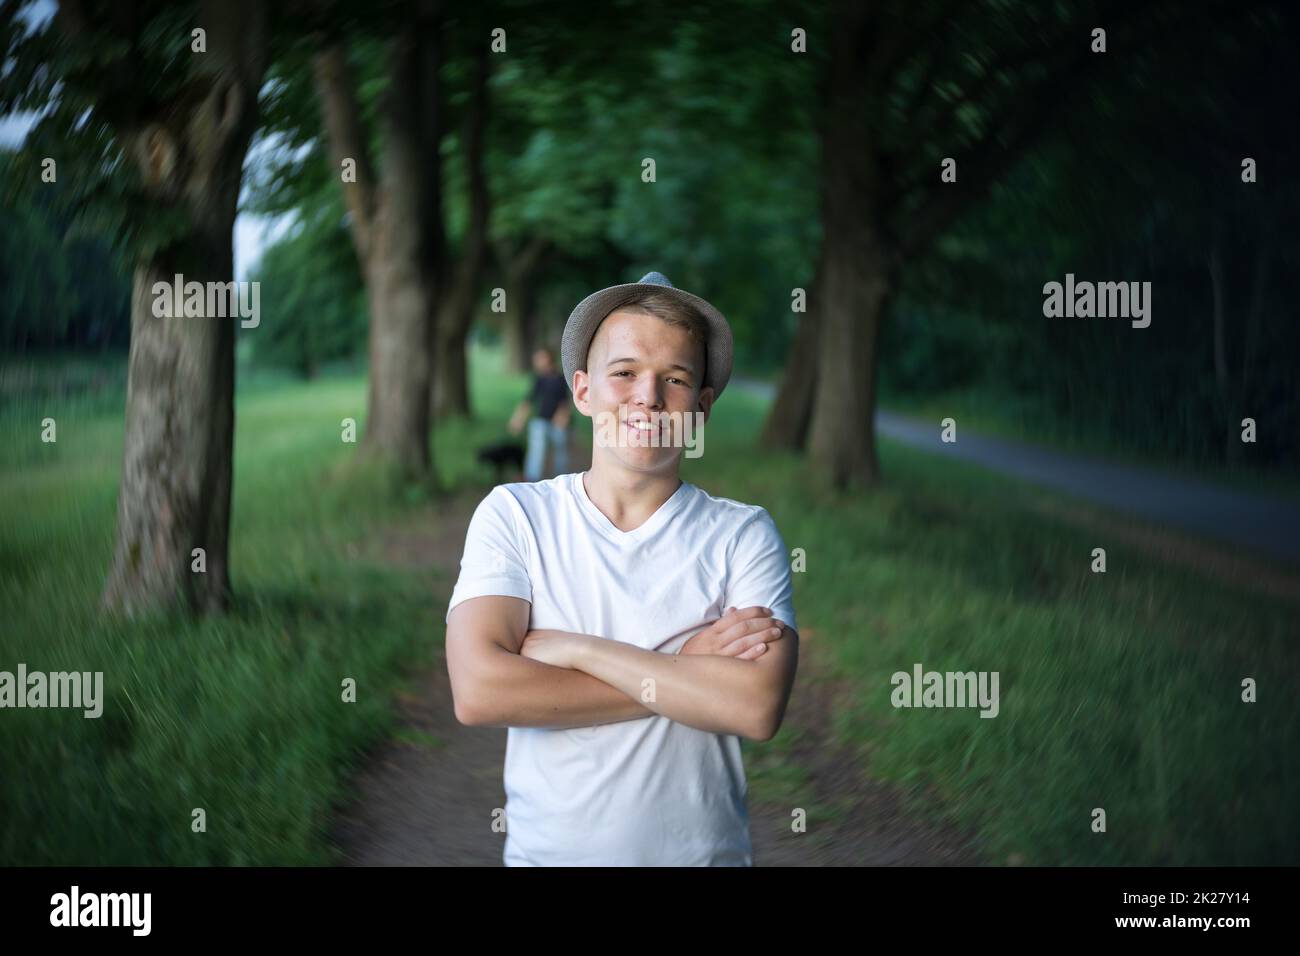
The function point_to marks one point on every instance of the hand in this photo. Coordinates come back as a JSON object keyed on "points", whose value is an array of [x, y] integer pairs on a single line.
{"points": [[742, 634], [519, 418], [549, 647]]}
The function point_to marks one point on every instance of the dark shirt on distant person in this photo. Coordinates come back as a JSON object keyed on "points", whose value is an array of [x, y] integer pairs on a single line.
{"points": [[548, 392]]}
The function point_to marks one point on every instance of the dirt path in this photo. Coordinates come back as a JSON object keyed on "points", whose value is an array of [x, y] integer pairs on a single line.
{"points": [[426, 797]]}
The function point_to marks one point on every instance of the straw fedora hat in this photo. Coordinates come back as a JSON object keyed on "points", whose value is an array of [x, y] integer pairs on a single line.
{"points": [[595, 308]]}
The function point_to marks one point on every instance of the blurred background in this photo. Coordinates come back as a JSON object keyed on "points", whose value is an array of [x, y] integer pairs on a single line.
{"points": [[423, 191]]}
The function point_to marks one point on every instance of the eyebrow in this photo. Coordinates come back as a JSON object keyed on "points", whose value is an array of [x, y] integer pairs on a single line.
{"points": [[629, 359]]}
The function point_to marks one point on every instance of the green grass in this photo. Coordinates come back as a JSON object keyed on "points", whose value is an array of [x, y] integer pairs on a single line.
{"points": [[1118, 690], [242, 715]]}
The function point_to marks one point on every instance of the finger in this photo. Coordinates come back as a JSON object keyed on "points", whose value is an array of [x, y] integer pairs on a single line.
{"points": [[748, 640], [740, 631], [741, 645], [746, 614], [729, 617], [754, 652], [750, 626]]}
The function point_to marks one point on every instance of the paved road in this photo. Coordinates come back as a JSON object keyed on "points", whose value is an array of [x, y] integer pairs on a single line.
{"points": [[1260, 523]]}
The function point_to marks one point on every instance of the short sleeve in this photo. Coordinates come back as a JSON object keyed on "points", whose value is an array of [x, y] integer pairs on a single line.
{"points": [[494, 561], [758, 574]]}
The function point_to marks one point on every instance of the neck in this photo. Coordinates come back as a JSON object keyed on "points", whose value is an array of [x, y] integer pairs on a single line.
{"points": [[628, 498]]}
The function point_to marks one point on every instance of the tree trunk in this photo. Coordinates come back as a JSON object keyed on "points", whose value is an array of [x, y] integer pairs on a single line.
{"points": [[791, 413], [451, 377], [454, 313], [1245, 394], [393, 223], [858, 264], [519, 329], [842, 439], [177, 454], [397, 429], [1219, 310], [1218, 298], [177, 458]]}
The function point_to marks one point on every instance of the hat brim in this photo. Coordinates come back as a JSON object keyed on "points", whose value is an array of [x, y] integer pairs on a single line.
{"points": [[594, 309]]}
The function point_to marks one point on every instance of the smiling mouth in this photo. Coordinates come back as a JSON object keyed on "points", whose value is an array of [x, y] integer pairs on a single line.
{"points": [[645, 433]]}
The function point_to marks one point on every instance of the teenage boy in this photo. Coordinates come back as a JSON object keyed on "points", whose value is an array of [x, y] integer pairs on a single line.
{"points": [[626, 626]]}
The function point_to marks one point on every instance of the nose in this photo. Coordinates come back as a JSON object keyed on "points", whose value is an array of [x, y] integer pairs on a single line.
{"points": [[649, 391]]}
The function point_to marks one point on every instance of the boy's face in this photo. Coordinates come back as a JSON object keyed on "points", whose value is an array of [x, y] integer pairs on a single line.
{"points": [[651, 371]]}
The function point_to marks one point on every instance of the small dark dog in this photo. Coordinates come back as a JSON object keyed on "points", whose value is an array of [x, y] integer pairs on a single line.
{"points": [[502, 454]]}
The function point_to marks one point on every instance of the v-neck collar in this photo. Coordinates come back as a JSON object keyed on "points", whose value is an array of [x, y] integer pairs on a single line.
{"points": [[664, 512]]}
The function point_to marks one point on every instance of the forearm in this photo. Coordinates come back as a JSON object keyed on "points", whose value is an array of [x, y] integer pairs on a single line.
{"points": [[704, 691], [518, 692]]}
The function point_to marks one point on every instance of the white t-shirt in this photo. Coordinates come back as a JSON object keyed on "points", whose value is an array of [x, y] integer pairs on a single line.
{"points": [[643, 792]]}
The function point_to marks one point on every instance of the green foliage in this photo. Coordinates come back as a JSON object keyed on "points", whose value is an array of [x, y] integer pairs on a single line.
{"points": [[1122, 194], [62, 287], [723, 109], [312, 298], [89, 84]]}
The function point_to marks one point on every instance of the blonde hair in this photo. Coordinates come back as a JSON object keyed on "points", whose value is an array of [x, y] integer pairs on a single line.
{"points": [[676, 313]]}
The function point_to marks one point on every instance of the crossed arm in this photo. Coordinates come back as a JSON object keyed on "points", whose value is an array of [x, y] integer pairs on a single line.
{"points": [[578, 680]]}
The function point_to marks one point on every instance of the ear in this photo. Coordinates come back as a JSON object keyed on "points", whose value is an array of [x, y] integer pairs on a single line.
{"points": [[581, 388], [706, 400]]}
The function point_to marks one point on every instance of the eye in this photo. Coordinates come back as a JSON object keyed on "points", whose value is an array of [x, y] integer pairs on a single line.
{"points": [[623, 371], [677, 380]]}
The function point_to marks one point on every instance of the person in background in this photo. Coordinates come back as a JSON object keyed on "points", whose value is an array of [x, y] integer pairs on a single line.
{"points": [[547, 410]]}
